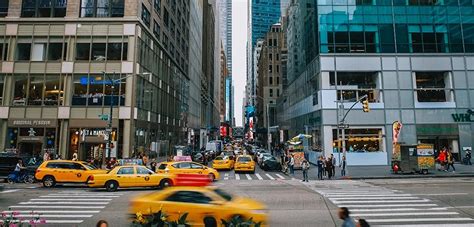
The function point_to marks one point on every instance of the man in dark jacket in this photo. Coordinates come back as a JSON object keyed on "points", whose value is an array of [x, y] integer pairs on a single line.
{"points": [[319, 163]]}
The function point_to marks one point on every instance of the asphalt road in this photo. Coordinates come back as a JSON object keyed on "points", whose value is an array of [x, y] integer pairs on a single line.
{"points": [[395, 202]]}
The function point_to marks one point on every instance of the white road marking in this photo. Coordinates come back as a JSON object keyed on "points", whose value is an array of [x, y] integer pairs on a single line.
{"points": [[280, 176], [55, 215], [398, 209], [394, 205], [66, 202], [441, 194], [269, 176], [375, 198], [59, 207], [64, 199], [248, 177], [9, 191], [237, 176], [430, 225], [79, 196], [418, 220], [350, 196], [403, 214], [226, 177], [259, 177], [382, 201], [54, 221], [29, 211]]}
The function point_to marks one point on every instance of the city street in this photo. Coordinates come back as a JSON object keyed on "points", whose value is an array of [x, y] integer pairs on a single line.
{"points": [[391, 202]]}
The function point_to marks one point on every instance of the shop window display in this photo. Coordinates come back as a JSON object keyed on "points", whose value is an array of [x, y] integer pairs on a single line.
{"points": [[355, 85], [361, 140], [432, 86], [95, 90], [37, 90]]}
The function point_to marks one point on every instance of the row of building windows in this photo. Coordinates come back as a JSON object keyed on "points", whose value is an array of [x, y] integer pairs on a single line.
{"points": [[56, 51], [397, 2]]}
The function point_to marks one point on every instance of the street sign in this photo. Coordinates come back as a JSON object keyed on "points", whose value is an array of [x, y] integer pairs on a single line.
{"points": [[343, 126], [104, 117]]}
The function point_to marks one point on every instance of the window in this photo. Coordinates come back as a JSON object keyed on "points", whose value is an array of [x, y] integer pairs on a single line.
{"points": [[20, 90], [157, 6], [361, 140], [2, 85], [355, 42], [271, 92], [95, 90], [4, 8], [143, 170], [431, 86], [270, 43], [270, 68], [189, 197], [35, 91], [424, 2], [77, 166], [278, 68], [38, 52], [270, 80], [23, 51], [156, 30], [101, 51], [114, 51], [43, 8], [354, 85], [3, 51], [428, 42], [278, 92], [57, 51], [126, 170], [278, 57], [102, 8], [166, 17], [145, 16], [196, 166], [185, 165], [270, 57], [275, 42], [278, 81]]}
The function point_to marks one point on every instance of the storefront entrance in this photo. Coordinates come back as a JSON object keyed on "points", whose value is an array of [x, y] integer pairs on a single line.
{"points": [[30, 149], [441, 142], [92, 151], [441, 136]]}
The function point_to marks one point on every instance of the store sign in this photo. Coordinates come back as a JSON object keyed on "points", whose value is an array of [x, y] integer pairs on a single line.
{"points": [[31, 123], [463, 117]]}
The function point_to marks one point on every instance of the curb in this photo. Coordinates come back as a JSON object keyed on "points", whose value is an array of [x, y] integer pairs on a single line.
{"points": [[404, 176]]}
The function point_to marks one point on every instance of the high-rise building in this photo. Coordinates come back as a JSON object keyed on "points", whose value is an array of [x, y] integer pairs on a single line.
{"points": [[59, 59], [225, 15], [411, 60]]}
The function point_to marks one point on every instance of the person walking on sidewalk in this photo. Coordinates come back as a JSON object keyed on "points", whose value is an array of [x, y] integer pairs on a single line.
{"points": [[291, 164], [450, 159], [329, 167], [442, 159], [333, 162], [344, 215], [343, 166], [305, 168], [320, 165]]}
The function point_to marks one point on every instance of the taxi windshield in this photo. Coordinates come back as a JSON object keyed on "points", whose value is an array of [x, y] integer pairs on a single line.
{"points": [[219, 158], [244, 159], [89, 166]]}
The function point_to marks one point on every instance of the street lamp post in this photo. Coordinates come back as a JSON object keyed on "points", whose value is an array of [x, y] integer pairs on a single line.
{"points": [[268, 129]]}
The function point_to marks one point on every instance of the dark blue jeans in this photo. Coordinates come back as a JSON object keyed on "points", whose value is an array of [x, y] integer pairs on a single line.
{"points": [[305, 175]]}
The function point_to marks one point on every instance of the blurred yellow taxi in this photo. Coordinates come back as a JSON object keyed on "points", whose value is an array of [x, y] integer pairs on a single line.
{"points": [[188, 168], [206, 206], [65, 171], [244, 163], [223, 162], [130, 176]]}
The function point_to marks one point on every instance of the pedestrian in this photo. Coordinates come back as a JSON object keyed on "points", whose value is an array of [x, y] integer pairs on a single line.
{"points": [[292, 164], [320, 165], [442, 159], [344, 215], [333, 162], [362, 223], [305, 168], [468, 157], [329, 167], [343, 166], [450, 160], [324, 166], [74, 156], [102, 223], [46, 156], [153, 166], [18, 170]]}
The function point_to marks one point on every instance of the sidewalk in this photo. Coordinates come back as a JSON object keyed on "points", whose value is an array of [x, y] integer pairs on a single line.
{"points": [[384, 172]]}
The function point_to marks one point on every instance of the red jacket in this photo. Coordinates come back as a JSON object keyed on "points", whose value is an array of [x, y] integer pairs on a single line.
{"points": [[442, 156]]}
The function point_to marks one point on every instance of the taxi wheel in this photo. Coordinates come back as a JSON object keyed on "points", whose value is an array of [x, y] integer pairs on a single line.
{"points": [[165, 183], [49, 182], [210, 222], [212, 177], [111, 186]]}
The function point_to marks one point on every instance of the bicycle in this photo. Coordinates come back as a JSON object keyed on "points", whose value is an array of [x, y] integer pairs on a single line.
{"points": [[24, 177]]}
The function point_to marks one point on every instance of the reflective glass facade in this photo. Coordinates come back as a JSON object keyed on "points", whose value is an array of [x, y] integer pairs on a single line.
{"points": [[396, 26], [264, 14]]}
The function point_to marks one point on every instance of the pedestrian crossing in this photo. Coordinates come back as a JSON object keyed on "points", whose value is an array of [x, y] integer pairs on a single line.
{"points": [[254, 176], [63, 207], [385, 207]]}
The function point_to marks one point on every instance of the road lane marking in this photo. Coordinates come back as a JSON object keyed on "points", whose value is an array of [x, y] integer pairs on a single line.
{"points": [[81, 196], [269, 176], [59, 207], [403, 214], [352, 195], [55, 216], [382, 201], [9, 191], [237, 176], [280, 176], [398, 209], [460, 193], [53, 211], [63, 199], [55, 221], [417, 220], [429, 225], [259, 177], [66, 202], [248, 176], [375, 198], [394, 205]]}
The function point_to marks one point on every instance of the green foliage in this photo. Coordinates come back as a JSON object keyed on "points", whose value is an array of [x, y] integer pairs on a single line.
{"points": [[159, 219], [239, 221]]}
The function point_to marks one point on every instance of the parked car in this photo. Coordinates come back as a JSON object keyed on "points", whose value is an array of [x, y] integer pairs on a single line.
{"points": [[271, 164], [262, 158], [259, 153]]}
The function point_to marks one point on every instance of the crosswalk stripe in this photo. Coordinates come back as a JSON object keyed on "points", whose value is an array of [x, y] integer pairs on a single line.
{"points": [[351, 196], [248, 177], [417, 220], [12, 190], [429, 225], [280, 176], [63, 199], [259, 177], [269, 176], [375, 198], [237, 176], [53, 211], [55, 215], [394, 205], [58, 207], [55, 221], [79, 196], [66, 202], [403, 214], [381, 201], [398, 209], [226, 176]]}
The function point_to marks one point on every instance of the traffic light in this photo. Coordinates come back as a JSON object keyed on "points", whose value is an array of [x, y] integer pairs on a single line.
{"points": [[365, 105]]}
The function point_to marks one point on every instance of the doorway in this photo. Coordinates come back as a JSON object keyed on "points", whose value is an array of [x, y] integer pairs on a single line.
{"points": [[30, 149]]}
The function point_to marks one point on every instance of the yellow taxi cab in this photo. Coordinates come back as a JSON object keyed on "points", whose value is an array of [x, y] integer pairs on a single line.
{"points": [[244, 163], [65, 171], [223, 162], [130, 176], [206, 206], [188, 168]]}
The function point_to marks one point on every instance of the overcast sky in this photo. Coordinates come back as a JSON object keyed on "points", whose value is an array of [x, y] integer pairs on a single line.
{"points": [[239, 67]]}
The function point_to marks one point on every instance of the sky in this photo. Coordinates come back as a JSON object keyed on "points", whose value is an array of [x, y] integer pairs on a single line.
{"points": [[239, 64]]}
